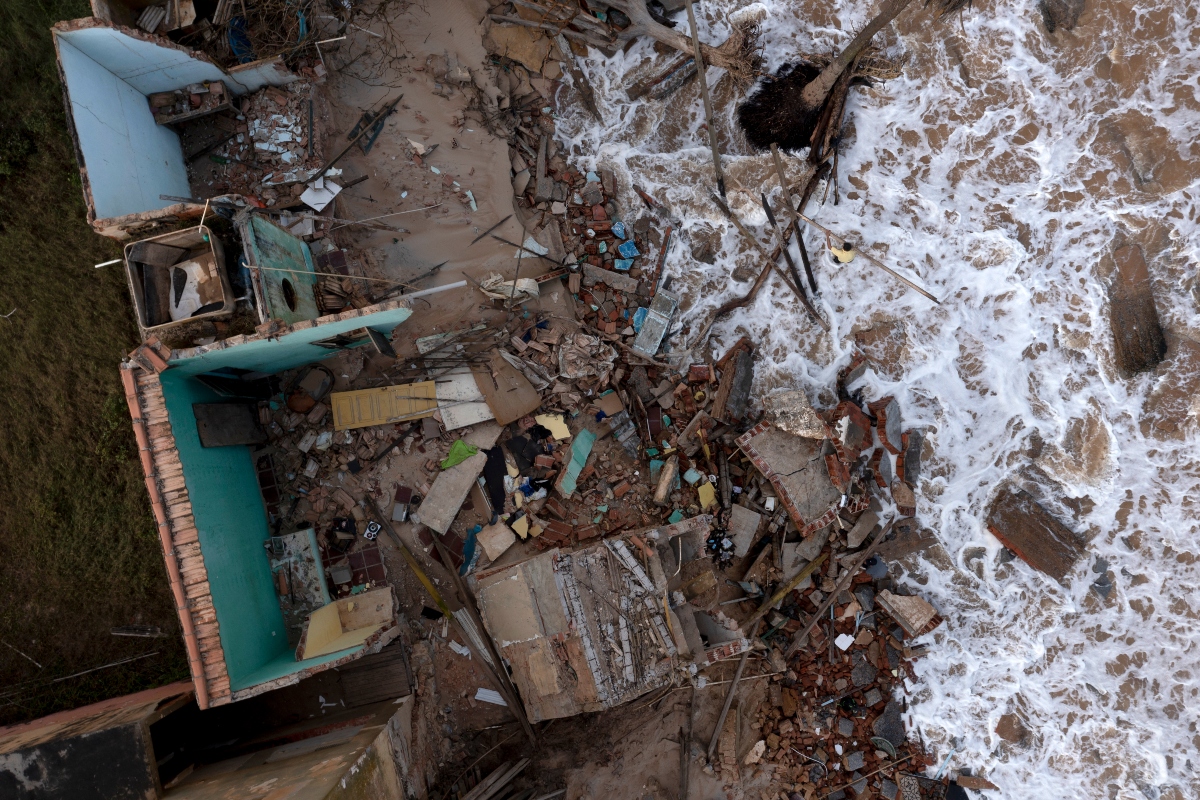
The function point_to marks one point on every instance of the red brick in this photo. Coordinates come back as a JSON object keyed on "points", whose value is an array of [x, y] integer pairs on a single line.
{"points": [[554, 507], [621, 489], [544, 461], [587, 532], [599, 213]]}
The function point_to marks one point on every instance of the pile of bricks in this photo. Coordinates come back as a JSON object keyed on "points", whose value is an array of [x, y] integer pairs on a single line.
{"points": [[268, 157]]}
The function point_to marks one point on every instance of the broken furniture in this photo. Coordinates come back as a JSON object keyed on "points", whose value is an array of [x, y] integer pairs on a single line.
{"points": [[190, 102], [281, 270], [228, 424], [178, 278], [347, 623]]}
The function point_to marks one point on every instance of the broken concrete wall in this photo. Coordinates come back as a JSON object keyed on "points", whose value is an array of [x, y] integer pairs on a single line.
{"points": [[126, 159], [356, 760], [289, 347]]}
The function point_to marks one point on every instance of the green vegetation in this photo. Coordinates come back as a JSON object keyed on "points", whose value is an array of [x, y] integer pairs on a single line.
{"points": [[78, 550]]}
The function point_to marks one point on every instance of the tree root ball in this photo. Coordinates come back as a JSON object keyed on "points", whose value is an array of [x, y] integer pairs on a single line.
{"points": [[776, 113]]}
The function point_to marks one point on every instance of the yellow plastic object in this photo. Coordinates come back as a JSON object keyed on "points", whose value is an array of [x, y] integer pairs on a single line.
{"points": [[844, 256], [708, 495], [555, 424], [521, 526], [365, 407]]}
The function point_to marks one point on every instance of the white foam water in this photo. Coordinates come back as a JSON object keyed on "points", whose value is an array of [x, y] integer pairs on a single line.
{"points": [[997, 171]]}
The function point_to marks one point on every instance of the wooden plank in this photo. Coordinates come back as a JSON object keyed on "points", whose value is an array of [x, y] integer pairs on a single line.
{"points": [[508, 393], [365, 407]]}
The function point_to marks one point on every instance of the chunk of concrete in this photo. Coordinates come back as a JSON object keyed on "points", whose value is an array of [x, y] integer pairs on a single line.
{"points": [[915, 615], [794, 413], [797, 471], [743, 525], [1041, 541], [451, 486], [864, 527]]}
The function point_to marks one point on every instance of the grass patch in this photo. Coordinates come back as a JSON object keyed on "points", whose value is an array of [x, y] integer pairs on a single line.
{"points": [[78, 550]]}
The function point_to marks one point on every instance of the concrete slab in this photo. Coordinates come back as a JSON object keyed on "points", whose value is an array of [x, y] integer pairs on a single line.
{"points": [[451, 486]]}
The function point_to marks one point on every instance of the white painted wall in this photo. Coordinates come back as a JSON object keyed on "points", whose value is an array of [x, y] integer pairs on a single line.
{"points": [[130, 159]]}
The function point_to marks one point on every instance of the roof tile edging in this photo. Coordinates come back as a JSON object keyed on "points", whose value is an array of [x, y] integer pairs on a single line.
{"points": [[177, 534]]}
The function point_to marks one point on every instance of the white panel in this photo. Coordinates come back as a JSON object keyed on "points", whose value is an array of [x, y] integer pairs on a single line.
{"points": [[130, 160]]}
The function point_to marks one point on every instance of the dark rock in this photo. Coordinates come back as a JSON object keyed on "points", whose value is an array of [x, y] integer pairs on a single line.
{"points": [[912, 457], [1023, 526], [1060, 14], [592, 194], [866, 598], [853, 761], [876, 567], [888, 790], [1137, 334], [845, 726], [863, 673], [890, 725], [743, 377]]}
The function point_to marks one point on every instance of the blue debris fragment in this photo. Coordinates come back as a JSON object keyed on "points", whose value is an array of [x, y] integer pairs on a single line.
{"points": [[628, 250]]}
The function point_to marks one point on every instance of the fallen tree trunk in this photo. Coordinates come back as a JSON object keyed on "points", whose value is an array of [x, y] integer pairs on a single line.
{"points": [[818, 89], [736, 54]]}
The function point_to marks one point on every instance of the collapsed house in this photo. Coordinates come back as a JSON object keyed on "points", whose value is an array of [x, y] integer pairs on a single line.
{"points": [[595, 511], [156, 745], [132, 160]]}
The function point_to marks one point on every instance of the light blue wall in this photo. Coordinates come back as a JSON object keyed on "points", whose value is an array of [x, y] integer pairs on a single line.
{"points": [[145, 66], [130, 159], [231, 520], [287, 352], [232, 526]]}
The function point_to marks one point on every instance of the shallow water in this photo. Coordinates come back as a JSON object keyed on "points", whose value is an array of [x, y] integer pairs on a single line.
{"points": [[1000, 171]]}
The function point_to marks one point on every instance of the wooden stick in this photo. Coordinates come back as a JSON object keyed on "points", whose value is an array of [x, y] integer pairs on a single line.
{"points": [[387, 111], [582, 84], [708, 114], [788, 585], [869, 257], [737, 676], [787, 201], [489, 230], [507, 690], [787, 254], [864, 777], [841, 585]]}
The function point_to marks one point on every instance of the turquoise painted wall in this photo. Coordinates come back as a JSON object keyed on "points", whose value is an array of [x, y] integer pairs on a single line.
{"points": [[272, 247], [292, 350], [228, 508], [232, 525]]}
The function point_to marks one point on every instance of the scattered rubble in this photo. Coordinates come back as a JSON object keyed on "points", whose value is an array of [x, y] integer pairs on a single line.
{"points": [[595, 513]]}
